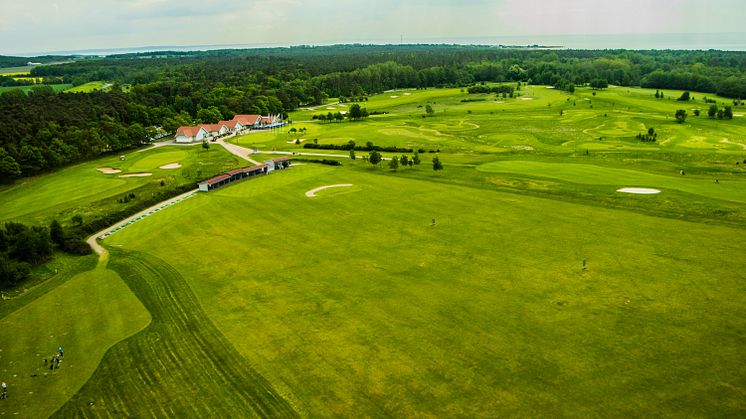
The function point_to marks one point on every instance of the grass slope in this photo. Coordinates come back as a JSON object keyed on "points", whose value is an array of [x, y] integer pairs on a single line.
{"points": [[85, 315], [361, 308], [83, 190], [597, 175], [89, 87], [180, 366]]}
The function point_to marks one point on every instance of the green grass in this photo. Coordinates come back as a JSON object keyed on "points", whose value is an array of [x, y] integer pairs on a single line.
{"points": [[265, 302], [731, 190], [179, 366], [608, 121], [361, 308], [89, 87], [86, 316], [81, 189]]}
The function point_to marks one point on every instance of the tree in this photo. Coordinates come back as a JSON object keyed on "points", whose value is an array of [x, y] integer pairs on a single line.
{"points": [[209, 115], [429, 110], [437, 165], [657, 94], [404, 161], [680, 116], [684, 97], [696, 112], [339, 117], [77, 219], [599, 84], [712, 111], [374, 158], [352, 154], [355, 112], [205, 144], [394, 163], [56, 234], [9, 168], [416, 158], [12, 272], [728, 112]]}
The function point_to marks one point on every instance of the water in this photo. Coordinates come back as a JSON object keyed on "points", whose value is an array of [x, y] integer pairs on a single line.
{"points": [[681, 41]]}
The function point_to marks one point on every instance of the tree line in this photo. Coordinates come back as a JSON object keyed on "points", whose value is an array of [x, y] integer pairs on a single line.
{"points": [[22, 246]]}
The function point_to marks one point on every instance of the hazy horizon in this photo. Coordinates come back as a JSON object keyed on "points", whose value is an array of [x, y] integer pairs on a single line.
{"points": [[79, 25]]}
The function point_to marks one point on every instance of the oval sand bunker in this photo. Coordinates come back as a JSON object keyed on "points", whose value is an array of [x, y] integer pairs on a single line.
{"points": [[141, 174], [108, 170], [312, 192], [170, 166], [639, 191]]}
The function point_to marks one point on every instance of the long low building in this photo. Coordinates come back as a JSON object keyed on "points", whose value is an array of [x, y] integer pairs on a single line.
{"points": [[236, 175]]}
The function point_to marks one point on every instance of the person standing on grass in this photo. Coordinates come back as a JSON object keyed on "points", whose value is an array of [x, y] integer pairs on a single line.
{"points": [[60, 351], [4, 394]]}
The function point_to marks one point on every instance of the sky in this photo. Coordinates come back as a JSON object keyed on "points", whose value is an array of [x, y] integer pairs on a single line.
{"points": [[33, 26]]}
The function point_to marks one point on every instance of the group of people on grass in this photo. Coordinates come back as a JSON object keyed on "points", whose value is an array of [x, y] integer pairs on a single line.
{"points": [[54, 364], [56, 359]]}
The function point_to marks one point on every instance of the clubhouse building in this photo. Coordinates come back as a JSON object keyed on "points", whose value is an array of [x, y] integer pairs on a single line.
{"points": [[237, 125]]}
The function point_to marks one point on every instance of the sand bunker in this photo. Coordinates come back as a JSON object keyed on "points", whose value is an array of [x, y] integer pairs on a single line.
{"points": [[407, 94], [527, 98], [312, 192], [394, 97], [329, 108], [138, 174], [639, 191], [170, 166], [738, 114], [299, 140], [108, 170]]}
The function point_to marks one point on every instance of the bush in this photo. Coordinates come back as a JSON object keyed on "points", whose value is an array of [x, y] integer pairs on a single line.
{"points": [[12, 272], [352, 146], [76, 246]]}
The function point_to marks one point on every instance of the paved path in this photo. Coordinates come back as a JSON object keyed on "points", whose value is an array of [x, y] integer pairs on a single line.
{"points": [[313, 108], [237, 150], [93, 240]]}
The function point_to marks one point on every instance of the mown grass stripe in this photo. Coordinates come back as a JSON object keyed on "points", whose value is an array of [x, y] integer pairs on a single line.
{"points": [[181, 365]]}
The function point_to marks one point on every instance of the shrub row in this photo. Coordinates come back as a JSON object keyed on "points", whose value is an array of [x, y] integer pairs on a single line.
{"points": [[350, 146]]}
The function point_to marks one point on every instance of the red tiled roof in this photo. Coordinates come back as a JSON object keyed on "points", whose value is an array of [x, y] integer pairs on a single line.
{"points": [[188, 131], [211, 127], [248, 119], [229, 124], [235, 171], [216, 179]]}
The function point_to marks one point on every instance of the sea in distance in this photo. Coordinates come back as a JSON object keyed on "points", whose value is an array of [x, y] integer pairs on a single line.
{"points": [[729, 41]]}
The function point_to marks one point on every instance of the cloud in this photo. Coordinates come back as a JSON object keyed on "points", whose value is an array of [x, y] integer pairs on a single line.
{"points": [[46, 25]]}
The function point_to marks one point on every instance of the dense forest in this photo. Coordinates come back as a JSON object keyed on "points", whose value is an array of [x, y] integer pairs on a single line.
{"points": [[164, 90]]}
